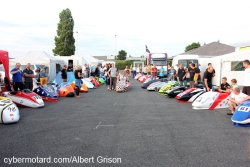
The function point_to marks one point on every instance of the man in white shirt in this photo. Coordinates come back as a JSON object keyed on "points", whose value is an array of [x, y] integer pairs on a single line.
{"points": [[112, 75], [246, 83], [134, 71], [235, 99]]}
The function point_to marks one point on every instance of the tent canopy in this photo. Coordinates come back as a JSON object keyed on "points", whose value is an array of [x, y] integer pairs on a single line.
{"points": [[4, 59], [41, 58], [90, 59], [37, 57]]}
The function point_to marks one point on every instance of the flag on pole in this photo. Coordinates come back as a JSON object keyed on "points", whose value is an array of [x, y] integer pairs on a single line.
{"points": [[147, 50]]}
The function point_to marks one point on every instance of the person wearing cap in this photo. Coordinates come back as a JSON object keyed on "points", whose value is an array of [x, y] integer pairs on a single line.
{"points": [[235, 99]]}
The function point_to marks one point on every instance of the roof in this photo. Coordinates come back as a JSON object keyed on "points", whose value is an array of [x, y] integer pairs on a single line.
{"points": [[104, 58], [242, 44], [37, 57], [211, 49]]}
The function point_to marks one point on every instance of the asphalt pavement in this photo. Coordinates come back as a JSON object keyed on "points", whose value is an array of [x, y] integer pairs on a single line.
{"points": [[134, 129]]}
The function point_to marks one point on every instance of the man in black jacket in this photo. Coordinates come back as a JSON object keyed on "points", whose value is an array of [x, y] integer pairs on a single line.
{"points": [[64, 73], [28, 77], [207, 78], [181, 74]]}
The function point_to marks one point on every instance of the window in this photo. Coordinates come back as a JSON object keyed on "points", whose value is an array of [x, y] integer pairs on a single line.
{"points": [[237, 66], [159, 61]]}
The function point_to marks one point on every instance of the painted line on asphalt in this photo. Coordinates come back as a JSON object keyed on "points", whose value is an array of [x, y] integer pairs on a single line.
{"points": [[106, 125], [100, 125]]}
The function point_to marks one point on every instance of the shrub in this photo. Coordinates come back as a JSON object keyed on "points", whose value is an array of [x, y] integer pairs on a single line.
{"points": [[121, 64]]}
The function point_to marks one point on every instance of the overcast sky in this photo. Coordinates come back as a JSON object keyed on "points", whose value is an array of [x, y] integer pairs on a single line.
{"points": [[165, 26]]}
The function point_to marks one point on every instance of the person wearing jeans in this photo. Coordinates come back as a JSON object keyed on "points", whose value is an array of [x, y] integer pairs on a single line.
{"points": [[78, 81], [154, 73], [17, 77], [181, 74], [112, 76], [208, 76], [28, 77], [134, 71]]}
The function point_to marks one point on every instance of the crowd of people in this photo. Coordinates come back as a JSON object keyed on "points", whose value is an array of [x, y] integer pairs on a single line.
{"points": [[191, 76], [22, 79], [237, 96], [114, 78], [186, 76]]}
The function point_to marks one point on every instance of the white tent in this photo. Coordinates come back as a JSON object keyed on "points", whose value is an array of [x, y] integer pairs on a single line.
{"points": [[225, 66], [42, 58], [80, 59], [90, 59]]}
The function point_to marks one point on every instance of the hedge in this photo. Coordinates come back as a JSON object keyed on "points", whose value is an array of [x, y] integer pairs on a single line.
{"points": [[121, 64]]}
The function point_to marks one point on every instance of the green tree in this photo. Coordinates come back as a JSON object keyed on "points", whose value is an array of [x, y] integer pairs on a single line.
{"points": [[65, 41], [121, 64], [192, 46], [122, 55]]}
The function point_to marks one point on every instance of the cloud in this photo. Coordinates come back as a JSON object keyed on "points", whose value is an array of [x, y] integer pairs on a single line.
{"points": [[165, 26]]}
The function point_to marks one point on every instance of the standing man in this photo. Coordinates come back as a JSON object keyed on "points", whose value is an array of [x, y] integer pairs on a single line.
{"points": [[246, 83], [78, 81], [153, 72], [161, 74], [64, 73], [210, 65], [87, 70], [172, 74], [140, 69], [207, 78], [181, 74], [28, 77], [194, 74], [134, 71], [70, 67], [17, 77], [186, 77], [149, 69], [97, 72], [112, 76]]}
